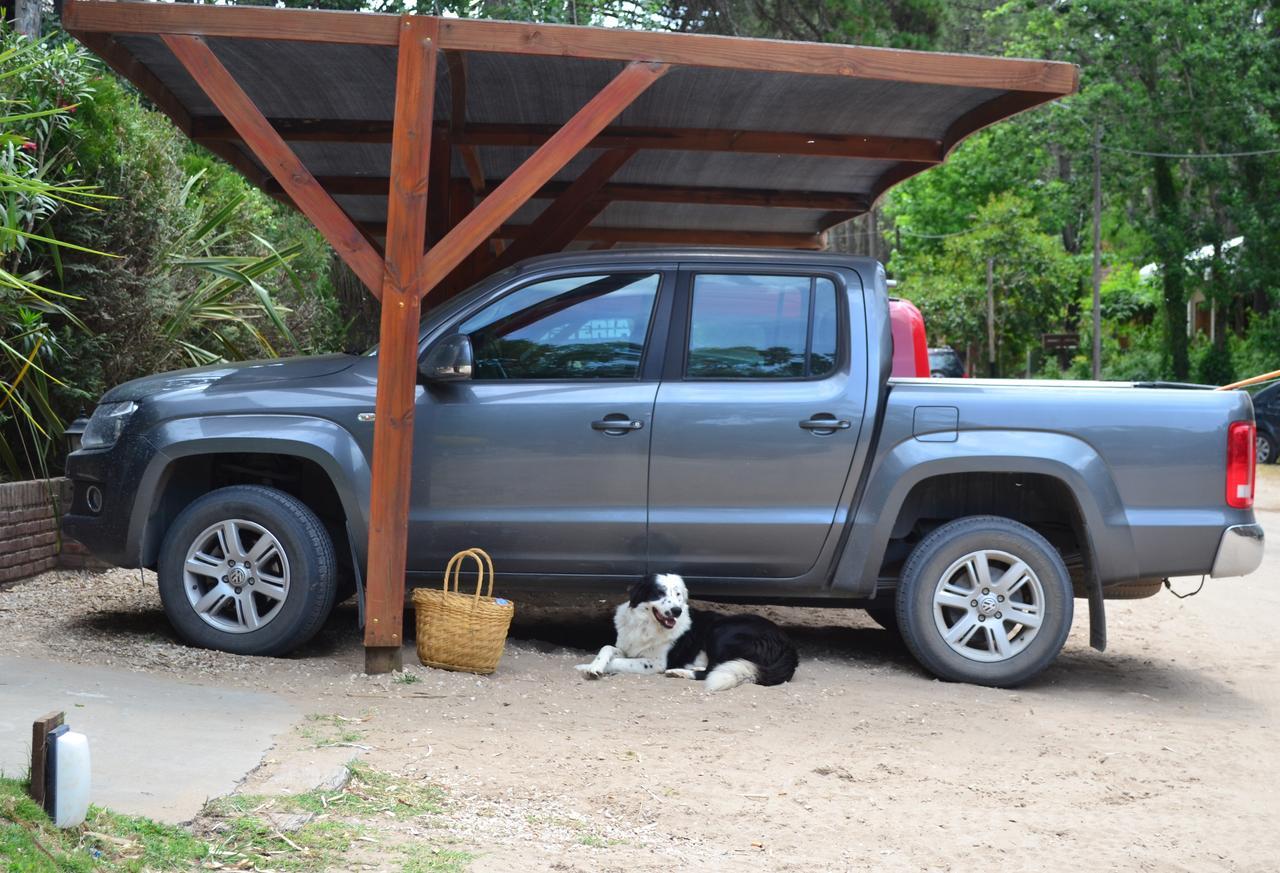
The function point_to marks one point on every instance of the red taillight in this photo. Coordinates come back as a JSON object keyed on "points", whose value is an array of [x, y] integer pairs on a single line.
{"points": [[1242, 448]]}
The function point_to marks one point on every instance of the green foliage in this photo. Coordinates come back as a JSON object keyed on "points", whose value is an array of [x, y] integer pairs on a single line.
{"points": [[1033, 281], [195, 272], [39, 90], [1258, 351]]}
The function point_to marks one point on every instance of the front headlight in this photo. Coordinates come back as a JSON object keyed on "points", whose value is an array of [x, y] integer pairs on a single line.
{"points": [[106, 425]]}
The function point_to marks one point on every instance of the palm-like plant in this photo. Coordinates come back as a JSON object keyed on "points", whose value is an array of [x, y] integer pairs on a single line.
{"points": [[222, 317]]}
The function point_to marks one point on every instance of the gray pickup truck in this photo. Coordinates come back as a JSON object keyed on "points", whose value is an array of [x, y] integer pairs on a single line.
{"points": [[727, 415]]}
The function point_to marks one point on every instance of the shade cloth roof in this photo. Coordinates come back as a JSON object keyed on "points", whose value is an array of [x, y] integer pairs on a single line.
{"points": [[816, 131]]}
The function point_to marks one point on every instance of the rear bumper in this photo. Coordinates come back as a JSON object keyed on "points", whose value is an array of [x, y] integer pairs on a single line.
{"points": [[1239, 551]]}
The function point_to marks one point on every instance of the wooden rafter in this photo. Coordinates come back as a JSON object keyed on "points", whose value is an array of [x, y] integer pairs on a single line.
{"points": [[691, 236], [763, 142], [256, 132], [398, 353], [671, 236], [458, 119], [635, 193], [575, 208], [535, 172], [935, 68]]}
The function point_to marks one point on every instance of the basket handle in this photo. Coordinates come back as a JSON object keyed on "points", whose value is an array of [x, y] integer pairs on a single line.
{"points": [[453, 572]]}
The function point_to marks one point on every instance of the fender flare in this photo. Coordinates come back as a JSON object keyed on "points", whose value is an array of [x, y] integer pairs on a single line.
{"points": [[1070, 460], [319, 440]]}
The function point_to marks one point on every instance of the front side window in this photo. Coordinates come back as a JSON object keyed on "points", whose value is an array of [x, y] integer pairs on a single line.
{"points": [[762, 327], [575, 327]]}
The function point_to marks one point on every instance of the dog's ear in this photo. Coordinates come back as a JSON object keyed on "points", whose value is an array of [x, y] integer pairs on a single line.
{"points": [[644, 590]]}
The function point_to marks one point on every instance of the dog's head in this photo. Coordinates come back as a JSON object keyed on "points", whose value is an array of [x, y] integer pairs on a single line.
{"points": [[664, 595]]}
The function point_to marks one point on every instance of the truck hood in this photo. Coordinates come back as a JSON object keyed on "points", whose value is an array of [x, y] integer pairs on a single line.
{"points": [[231, 377]]}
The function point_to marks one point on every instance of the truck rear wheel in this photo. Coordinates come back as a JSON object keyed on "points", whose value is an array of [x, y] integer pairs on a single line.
{"points": [[249, 570], [985, 600]]}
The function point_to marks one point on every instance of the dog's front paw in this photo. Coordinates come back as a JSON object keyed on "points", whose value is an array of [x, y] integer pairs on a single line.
{"points": [[589, 671], [678, 673]]}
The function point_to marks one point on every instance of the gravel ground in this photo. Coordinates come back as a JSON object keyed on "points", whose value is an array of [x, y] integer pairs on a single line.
{"points": [[1158, 755]]}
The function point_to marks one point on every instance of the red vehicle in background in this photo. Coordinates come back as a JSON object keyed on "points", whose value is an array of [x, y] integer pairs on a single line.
{"points": [[911, 353], [910, 349]]}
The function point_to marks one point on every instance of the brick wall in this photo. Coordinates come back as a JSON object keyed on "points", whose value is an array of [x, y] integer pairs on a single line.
{"points": [[29, 540]]}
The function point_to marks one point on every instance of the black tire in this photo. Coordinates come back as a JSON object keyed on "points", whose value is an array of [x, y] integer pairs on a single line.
{"points": [[923, 577], [1266, 448], [885, 616], [311, 571]]}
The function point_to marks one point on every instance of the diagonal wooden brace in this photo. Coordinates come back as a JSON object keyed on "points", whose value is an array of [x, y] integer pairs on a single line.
{"points": [[538, 169], [575, 208], [296, 180]]}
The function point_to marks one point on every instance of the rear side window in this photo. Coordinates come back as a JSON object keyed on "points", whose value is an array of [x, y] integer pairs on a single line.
{"points": [[762, 327]]}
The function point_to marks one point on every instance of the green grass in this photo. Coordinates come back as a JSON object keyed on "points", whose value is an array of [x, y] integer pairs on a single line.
{"points": [[330, 730], [406, 678], [29, 843], [253, 841], [369, 793], [234, 831], [424, 859]]}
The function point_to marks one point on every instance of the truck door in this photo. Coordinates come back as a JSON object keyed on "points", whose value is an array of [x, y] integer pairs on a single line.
{"points": [[756, 422], [542, 457]]}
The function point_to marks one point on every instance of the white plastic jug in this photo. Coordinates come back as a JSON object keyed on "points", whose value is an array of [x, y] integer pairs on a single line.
{"points": [[68, 765]]}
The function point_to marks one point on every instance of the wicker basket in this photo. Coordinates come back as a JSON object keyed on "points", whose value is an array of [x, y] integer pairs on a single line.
{"points": [[459, 631]]}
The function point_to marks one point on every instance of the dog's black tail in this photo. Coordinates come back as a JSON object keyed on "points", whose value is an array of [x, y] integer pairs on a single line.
{"points": [[781, 664], [749, 649]]}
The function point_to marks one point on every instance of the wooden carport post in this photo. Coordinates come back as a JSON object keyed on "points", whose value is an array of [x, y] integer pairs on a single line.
{"points": [[402, 291]]}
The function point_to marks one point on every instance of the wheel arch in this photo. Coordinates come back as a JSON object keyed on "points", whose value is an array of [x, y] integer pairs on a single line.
{"points": [[1074, 468], [315, 460]]}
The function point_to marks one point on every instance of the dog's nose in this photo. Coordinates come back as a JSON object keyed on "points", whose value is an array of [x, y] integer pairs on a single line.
{"points": [[675, 612]]}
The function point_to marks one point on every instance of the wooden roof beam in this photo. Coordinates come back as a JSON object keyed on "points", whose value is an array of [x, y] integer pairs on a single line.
{"points": [[610, 236], [835, 201], [684, 236], [870, 147], [1051, 79]]}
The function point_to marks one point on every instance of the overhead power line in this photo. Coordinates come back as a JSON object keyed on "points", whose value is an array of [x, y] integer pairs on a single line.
{"points": [[1192, 155]]}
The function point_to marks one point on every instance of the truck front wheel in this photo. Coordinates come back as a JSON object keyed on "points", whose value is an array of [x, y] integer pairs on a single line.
{"points": [[249, 570], [985, 600]]}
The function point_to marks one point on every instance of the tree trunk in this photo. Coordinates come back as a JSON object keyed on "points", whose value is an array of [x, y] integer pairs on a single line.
{"points": [[26, 19], [1170, 244]]}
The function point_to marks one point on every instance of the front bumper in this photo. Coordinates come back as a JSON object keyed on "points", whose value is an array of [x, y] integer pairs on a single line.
{"points": [[103, 525], [1239, 551]]}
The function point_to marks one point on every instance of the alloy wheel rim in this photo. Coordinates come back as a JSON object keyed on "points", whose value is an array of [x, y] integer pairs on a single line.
{"points": [[236, 576], [1263, 450], [988, 606]]}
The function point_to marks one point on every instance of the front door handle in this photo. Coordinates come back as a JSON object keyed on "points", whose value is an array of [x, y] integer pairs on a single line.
{"points": [[616, 424], [825, 424]]}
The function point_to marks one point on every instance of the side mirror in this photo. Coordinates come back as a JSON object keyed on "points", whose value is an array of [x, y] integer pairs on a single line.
{"points": [[449, 360]]}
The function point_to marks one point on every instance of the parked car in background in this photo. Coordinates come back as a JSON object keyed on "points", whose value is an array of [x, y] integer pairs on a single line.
{"points": [[945, 363], [1266, 408]]}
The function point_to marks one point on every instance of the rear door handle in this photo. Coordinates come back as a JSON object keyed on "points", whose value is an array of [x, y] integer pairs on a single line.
{"points": [[830, 424], [616, 424]]}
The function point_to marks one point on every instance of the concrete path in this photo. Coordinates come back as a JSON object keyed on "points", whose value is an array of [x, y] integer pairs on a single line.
{"points": [[158, 748]]}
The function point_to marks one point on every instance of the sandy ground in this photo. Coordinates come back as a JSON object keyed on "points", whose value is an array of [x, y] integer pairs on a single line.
{"points": [[1158, 755]]}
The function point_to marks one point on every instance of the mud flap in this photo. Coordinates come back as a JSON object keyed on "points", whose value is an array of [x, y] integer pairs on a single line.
{"points": [[1097, 613], [355, 569]]}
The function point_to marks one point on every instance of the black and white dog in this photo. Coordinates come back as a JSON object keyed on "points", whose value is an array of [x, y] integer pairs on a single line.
{"points": [[658, 632]]}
